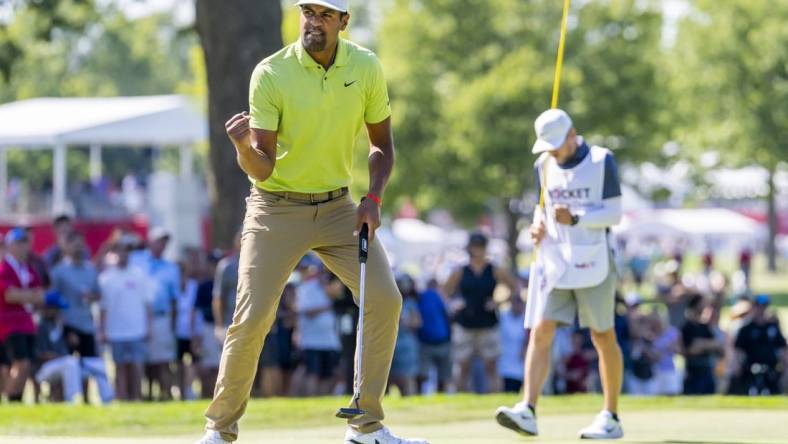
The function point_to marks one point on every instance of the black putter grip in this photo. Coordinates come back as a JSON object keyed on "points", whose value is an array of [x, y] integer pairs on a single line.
{"points": [[363, 244]]}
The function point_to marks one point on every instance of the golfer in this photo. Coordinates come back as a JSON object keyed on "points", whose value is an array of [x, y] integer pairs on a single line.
{"points": [[307, 104], [582, 196]]}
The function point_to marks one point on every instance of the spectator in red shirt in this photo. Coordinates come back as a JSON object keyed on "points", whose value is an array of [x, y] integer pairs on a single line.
{"points": [[19, 287]]}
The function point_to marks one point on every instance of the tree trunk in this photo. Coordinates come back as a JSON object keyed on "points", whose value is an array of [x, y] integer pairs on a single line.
{"points": [[235, 36], [771, 245]]}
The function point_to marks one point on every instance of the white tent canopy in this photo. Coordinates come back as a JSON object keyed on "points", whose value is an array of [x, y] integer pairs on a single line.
{"points": [[146, 120], [723, 228], [426, 250], [58, 123]]}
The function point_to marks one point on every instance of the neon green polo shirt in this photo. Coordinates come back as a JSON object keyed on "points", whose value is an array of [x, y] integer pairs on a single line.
{"points": [[316, 113]]}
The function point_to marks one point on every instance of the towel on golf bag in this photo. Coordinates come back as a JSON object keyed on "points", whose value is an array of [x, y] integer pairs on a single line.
{"points": [[546, 271]]}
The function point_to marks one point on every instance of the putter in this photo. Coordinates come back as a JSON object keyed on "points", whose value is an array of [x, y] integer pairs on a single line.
{"points": [[363, 249]]}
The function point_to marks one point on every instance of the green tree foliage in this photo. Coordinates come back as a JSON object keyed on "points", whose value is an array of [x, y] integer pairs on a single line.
{"points": [[739, 48], [730, 83], [468, 77], [616, 49], [97, 52], [38, 21], [53, 48], [488, 129]]}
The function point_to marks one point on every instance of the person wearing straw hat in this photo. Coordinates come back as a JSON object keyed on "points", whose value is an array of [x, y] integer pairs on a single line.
{"points": [[307, 104], [582, 200]]}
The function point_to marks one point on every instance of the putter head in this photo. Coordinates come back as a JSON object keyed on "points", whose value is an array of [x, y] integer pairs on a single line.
{"points": [[349, 413]]}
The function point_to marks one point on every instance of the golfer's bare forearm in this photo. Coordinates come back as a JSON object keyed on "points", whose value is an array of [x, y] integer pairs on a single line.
{"points": [[255, 163], [381, 162], [381, 155]]}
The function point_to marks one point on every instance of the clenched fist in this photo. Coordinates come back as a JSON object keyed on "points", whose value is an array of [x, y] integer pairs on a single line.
{"points": [[238, 129]]}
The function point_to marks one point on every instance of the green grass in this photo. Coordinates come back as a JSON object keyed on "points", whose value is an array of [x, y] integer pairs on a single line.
{"points": [[172, 419]]}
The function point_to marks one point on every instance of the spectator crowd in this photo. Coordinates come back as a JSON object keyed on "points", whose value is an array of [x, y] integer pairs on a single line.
{"points": [[142, 327]]}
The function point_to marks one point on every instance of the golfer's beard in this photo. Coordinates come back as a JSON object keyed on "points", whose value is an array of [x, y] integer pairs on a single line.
{"points": [[314, 43]]}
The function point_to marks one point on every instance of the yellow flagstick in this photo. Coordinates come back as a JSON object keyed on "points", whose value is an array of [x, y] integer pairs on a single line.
{"points": [[559, 64]]}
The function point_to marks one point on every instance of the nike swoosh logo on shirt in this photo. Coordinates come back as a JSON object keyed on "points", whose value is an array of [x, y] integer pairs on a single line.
{"points": [[349, 83]]}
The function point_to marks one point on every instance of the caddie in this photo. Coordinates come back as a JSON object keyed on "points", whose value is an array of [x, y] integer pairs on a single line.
{"points": [[582, 200]]}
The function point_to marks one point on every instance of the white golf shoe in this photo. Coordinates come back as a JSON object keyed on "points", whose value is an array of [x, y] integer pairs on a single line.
{"points": [[519, 418], [212, 437], [382, 436], [603, 427]]}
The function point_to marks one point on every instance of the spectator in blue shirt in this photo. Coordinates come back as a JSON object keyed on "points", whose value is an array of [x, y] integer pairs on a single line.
{"points": [[161, 343], [434, 337], [405, 364], [77, 280]]}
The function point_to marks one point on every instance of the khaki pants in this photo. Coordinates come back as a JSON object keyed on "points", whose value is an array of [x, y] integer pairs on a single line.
{"points": [[276, 234]]}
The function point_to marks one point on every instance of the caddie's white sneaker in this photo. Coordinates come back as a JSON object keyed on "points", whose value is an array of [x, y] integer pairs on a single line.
{"points": [[519, 418], [382, 436], [603, 427], [212, 437]]}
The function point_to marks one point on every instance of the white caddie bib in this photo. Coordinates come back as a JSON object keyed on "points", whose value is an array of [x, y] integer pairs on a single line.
{"points": [[584, 250]]}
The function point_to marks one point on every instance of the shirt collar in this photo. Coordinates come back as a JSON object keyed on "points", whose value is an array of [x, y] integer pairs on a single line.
{"points": [[580, 153], [343, 54], [307, 61]]}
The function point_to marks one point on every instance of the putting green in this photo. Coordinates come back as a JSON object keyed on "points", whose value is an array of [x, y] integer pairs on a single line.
{"points": [[442, 420]]}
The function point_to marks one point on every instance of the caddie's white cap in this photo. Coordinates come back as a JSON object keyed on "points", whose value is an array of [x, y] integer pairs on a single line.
{"points": [[337, 5], [551, 127]]}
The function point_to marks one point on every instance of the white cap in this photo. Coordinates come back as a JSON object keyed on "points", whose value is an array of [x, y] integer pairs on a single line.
{"points": [[157, 233], [337, 5], [551, 127]]}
